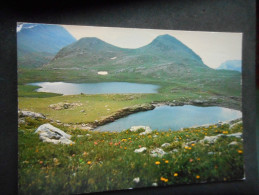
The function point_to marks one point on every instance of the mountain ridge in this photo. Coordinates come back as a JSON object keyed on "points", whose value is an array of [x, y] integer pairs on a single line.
{"points": [[93, 52]]}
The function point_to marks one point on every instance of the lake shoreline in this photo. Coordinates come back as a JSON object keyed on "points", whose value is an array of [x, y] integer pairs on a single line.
{"points": [[145, 107]]}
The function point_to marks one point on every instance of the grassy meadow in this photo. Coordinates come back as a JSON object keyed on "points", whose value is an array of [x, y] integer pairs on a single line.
{"points": [[102, 161]]}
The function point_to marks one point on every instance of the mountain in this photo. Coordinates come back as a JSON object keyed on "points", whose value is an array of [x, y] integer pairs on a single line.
{"points": [[37, 44], [165, 61], [95, 54], [231, 65]]}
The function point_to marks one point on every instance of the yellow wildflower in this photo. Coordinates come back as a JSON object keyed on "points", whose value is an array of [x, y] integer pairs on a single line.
{"points": [[175, 174], [157, 163], [89, 162], [197, 177], [240, 151], [167, 161]]}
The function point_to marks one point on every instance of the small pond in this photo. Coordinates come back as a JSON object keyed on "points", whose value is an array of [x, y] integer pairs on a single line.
{"points": [[174, 118], [95, 88]]}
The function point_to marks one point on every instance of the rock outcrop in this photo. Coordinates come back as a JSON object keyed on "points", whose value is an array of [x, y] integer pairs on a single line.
{"points": [[158, 152], [140, 150], [213, 139], [30, 114], [122, 113], [51, 134], [147, 129]]}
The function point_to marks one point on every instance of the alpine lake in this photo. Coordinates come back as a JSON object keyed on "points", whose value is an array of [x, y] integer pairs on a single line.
{"points": [[161, 118]]}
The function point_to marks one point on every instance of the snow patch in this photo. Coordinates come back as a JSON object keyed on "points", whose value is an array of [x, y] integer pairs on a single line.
{"points": [[19, 28], [102, 73]]}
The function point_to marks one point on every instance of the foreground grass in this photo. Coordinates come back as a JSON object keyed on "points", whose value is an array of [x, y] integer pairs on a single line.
{"points": [[104, 161]]}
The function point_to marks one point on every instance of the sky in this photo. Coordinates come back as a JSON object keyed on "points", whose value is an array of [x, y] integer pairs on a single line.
{"points": [[214, 48]]}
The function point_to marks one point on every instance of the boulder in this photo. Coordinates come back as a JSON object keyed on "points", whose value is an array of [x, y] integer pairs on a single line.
{"points": [[210, 139], [51, 134], [136, 180], [237, 135], [146, 128], [213, 139], [165, 145], [234, 143], [30, 114], [158, 152], [140, 150]]}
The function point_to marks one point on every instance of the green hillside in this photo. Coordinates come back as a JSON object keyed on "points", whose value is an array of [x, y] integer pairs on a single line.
{"points": [[165, 61]]}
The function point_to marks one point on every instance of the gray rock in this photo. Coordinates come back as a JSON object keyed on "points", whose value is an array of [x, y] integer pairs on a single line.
{"points": [[234, 143], [140, 150], [30, 114], [237, 135], [213, 139], [210, 139], [147, 129], [136, 180], [21, 121], [174, 150], [64, 105], [51, 134], [154, 184], [158, 152], [165, 145]]}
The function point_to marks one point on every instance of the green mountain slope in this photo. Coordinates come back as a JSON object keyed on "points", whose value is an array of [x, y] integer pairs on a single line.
{"points": [[165, 61]]}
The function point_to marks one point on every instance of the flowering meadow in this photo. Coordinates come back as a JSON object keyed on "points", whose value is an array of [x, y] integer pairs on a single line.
{"points": [[104, 161]]}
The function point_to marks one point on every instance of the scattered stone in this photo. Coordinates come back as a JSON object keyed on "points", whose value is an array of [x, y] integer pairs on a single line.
{"points": [[211, 153], [79, 136], [140, 150], [82, 110], [58, 121], [21, 121], [67, 125], [136, 180], [210, 139], [51, 134], [154, 184], [30, 114], [158, 152], [147, 129], [165, 145], [64, 105], [234, 143], [237, 135], [174, 150]]}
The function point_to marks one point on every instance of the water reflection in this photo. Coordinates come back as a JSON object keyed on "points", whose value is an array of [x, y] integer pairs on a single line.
{"points": [[95, 88], [166, 117]]}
